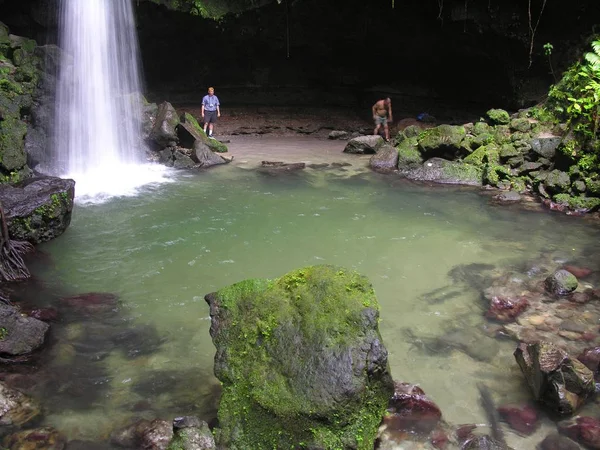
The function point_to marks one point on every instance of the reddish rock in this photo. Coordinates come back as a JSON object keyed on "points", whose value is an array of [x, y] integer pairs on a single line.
{"points": [[91, 302], [505, 309], [580, 297], [579, 272], [522, 419], [43, 314], [555, 441], [583, 429], [439, 439], [409, 409], [590, 357], [464, 431]]}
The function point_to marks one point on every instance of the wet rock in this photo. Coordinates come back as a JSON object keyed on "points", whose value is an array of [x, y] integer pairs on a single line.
{"points": [[92, 303], [46, 438], [130, 435], [39, 209], [197, 437], [590, 357], [364, 145], [439, 170], [186, 422], [506, 309], [207, 157], [555, 441], [19, 335], [278, 167], [164, 131], [411, 410], [43, 314], [582, 429], [139, 340], [556, 380], [508, 197], [523, 419], [16, 409], [579, 272], [561, 282], [546, 146], [157, 435], [385, 160], [182, 161], [87, 445], [338, 134]]}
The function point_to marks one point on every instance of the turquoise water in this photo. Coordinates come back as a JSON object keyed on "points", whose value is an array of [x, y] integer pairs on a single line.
{"points": [[164, 249]]}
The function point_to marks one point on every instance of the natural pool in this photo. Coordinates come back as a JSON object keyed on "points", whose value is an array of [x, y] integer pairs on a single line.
{"points": [[162, 250]]}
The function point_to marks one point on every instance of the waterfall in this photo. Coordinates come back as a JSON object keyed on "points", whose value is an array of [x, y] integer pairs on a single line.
{"points": [[98, 108]]}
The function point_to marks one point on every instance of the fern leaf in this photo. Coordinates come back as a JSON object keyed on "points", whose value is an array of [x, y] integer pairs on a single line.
{"points": [[593, 59], [596, 47]]}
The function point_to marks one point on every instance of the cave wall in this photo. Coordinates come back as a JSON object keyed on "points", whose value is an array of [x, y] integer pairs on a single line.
{"points": [[421, 52]]}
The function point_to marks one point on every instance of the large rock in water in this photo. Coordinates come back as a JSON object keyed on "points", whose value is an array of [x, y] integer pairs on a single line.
{"points": [[558, 381], [38, 209], [301, 361]]}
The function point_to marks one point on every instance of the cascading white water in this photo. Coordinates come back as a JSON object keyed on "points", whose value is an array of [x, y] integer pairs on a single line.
{"points": [[98, 112]]}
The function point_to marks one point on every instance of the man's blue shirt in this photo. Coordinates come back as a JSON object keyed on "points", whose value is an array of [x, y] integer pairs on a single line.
{"points": [[210, 102]]}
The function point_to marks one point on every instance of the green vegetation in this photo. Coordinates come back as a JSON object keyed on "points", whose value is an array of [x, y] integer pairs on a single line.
{"points": [[576, 101], [3, 333]]}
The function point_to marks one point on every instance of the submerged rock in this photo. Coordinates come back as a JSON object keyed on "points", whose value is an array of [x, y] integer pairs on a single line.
{"points": [[301, 360], [19, 335]]}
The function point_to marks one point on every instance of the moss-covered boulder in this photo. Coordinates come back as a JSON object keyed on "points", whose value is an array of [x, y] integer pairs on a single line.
{"points": [[498, 117], [557, 182], [483, 155], [301, 361], [441, 140], [440, 170], [520, 124], [190, 131], [409, 156]]}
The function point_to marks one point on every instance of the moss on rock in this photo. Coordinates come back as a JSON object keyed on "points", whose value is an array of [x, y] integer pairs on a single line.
{"points": [[292, 359], [498, 116]]}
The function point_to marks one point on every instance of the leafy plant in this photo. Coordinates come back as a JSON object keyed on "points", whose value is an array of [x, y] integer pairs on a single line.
{"points": [[548, 47], [576, 99]]}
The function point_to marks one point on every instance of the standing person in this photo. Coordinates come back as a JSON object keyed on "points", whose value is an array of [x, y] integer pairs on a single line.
{"points": [[382, 115], [210, 110]]}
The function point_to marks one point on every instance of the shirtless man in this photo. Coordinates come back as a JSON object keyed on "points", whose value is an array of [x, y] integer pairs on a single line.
{"points": [[382, 114]]}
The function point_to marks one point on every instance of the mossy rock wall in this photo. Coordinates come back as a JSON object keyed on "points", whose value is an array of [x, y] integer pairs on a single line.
{"points": [[301, 361]]}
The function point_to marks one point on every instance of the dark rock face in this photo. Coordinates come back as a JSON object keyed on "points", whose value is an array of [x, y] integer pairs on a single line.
{"points": [[39, 209], [300, 358]]}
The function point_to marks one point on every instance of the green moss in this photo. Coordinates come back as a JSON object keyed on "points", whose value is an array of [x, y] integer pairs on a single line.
{"points": [[485, 154], [3, 333], [498, 116], [323, 306], [462, 172]]}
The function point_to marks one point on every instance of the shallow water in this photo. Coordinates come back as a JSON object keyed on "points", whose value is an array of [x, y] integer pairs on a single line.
{"points": [[164, 249]]}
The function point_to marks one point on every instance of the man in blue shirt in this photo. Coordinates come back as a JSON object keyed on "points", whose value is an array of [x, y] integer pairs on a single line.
{"points": [[210, 110]]}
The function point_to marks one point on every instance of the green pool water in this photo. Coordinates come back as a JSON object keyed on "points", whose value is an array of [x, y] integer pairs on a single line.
{"points": [[162, 250]]}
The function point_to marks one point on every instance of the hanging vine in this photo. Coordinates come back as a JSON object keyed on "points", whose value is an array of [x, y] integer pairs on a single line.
{"points": [[533, 29]]}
